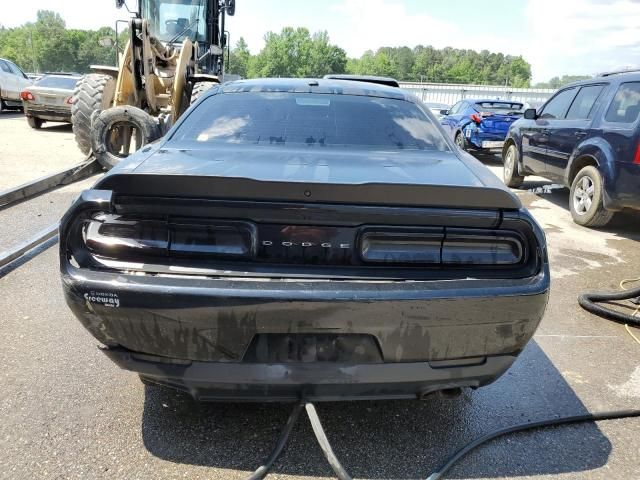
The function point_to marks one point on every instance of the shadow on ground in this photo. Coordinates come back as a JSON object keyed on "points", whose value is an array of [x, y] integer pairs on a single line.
{"points": [[625, 224], [388, 439]]}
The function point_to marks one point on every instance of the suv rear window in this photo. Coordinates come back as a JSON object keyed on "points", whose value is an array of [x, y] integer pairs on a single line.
{"points": [[57, 82], [625, 106], [311, 120]]}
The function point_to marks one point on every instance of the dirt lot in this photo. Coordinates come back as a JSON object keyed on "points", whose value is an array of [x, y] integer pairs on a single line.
{"points": [[67, 412]]}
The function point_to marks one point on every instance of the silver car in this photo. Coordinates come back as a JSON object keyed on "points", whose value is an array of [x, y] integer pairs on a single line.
{"points": [[49, 99], [12, 82], [436, 108]]}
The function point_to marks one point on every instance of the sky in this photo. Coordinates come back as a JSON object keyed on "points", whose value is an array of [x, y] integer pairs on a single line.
{"points": [[555, 36]]}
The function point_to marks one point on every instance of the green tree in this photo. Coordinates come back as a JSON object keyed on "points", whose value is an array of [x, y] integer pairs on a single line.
{"points": [[238, 61], [295, 53], [557, 82]]}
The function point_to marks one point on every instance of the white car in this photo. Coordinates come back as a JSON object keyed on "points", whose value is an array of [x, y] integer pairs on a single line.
{"points": [[12, 82]]}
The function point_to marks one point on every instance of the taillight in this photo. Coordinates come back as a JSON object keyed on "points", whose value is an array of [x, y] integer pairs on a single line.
{"points": [[69, 101], [26, 95], [421, 247], [636, 157], [476, 118], [118, 237], [450, 246]]}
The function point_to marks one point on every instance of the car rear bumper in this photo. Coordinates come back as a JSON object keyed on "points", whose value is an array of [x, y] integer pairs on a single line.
{"points": [[218, 381], [622, 186], [54, 114], [431, 335], [479, 139]]}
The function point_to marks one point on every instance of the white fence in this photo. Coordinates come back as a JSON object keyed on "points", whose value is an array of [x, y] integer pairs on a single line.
{"points": [[450, 93]]}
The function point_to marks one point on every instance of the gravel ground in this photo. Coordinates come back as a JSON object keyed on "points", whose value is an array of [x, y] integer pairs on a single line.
{"points": [[67, 412]]}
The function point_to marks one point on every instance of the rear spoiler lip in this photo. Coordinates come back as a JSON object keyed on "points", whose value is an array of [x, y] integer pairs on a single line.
{"points": [[374, 194]]}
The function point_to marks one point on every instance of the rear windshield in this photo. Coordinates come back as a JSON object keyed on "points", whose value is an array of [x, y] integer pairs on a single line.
{"points": [[57, 82], [499, 107], [311, 120]]}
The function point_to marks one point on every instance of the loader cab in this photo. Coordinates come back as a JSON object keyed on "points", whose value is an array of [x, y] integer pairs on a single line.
{"points": [[201, 21], [175, 20]]}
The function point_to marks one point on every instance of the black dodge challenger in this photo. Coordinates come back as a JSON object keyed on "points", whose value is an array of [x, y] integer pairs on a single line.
{"points": [[317, 239]]}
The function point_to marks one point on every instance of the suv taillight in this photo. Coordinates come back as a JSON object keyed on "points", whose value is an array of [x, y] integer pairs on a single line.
{"points": [[27, 95]]}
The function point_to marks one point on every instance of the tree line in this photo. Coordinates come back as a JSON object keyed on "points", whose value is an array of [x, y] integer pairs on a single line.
{"points": [[297, 52], [47, 45]]}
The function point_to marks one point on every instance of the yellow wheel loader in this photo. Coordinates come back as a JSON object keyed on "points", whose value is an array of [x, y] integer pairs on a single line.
{"points": [[175, 52]]}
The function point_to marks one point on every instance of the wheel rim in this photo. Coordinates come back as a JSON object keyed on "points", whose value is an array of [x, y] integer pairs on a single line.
{"points": [[508, 164], [583, 195], [459, 141]]}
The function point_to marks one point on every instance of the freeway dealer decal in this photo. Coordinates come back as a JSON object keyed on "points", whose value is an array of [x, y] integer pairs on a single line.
{"points": [[104, 298]]}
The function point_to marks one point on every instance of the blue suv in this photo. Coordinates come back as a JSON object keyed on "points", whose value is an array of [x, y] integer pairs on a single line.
{"points": [[586, 137]]}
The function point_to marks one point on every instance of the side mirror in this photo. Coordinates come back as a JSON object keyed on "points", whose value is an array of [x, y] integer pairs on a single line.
{"points": [[119, 3], [231, 7], [530, 114], [444, 112]]}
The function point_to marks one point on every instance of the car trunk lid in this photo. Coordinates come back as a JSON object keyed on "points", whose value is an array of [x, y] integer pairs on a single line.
{"points": [[421, 179]]}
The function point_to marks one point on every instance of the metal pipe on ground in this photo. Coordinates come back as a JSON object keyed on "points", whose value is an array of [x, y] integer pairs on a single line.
{"points": [[12, 254], [44, 184]]}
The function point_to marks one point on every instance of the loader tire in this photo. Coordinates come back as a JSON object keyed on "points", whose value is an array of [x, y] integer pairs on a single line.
{"points": [[199, 88], [93, 92], [106, 150]]}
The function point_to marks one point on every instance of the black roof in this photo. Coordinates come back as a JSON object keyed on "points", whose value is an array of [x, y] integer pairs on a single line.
{"points": [[316, 85], [611, 77]]}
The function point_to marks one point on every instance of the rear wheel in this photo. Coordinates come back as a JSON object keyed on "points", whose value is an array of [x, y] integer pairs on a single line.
{"points": [[93, 92], [35, 122], [200, 88], [585, 201], [460, 141], [3, 106], [510, 174]]}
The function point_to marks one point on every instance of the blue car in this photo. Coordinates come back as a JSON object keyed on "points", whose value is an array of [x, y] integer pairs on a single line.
{"points": [[480, 125]]}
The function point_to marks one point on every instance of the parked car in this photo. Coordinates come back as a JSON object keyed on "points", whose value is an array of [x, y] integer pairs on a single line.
{"points": [[12, 82], [49, 99], [295, 238], [586, 137], [480, 125], [437, 108]]}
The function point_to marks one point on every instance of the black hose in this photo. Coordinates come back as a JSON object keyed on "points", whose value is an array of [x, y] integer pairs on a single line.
{"points": [[337, 467], [263, 469], [588, 302], [591, 417]]}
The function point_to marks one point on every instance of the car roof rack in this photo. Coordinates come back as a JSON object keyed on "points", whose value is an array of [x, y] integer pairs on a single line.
{"points": [[388, 81], [618, 72]]}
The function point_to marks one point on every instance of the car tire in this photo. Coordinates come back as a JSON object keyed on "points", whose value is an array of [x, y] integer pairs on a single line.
{"points": [[93, 92], [3, 106], [460, 141], [510, 175], [198, 89], [585, 200], [35, 123]]}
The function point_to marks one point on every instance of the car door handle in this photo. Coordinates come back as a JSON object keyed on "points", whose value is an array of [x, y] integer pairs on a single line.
{"points": [[580, 134]]}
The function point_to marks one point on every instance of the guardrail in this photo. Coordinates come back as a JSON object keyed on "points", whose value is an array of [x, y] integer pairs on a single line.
{"points": [[450, 93]]}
